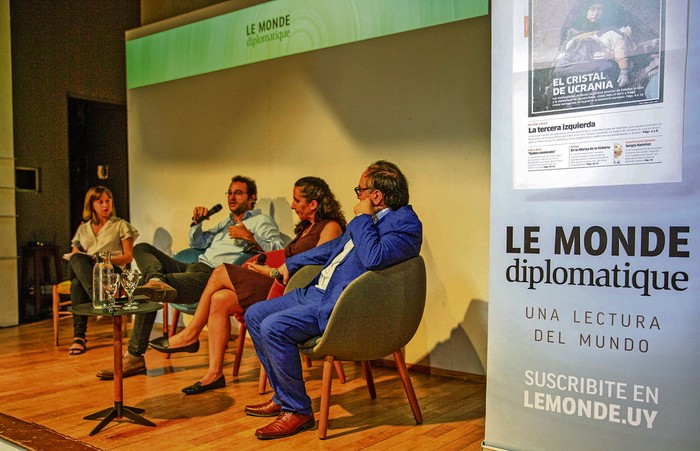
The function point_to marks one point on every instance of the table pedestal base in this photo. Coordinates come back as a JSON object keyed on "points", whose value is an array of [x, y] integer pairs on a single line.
{"points": [[118, 411]]}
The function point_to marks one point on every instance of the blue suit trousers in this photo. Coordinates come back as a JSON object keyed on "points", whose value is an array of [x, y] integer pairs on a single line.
{"points": [[277, 326]]}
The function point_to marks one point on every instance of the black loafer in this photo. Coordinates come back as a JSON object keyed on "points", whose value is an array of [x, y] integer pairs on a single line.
{"points": [[198, 388], [162, 345]]}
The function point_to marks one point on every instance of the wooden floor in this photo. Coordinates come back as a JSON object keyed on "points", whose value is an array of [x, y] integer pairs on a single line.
{"points": [[41, 384]]}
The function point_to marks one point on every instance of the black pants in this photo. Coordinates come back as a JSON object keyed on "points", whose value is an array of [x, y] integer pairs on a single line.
{"points": [[188, 279]]}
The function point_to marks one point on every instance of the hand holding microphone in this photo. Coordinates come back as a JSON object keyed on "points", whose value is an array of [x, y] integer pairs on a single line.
{"points": [[260, 267], [201, 213]]}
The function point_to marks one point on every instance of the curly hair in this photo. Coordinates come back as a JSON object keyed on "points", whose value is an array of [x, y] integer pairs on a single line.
{"points": [[388, 178], [315, 188], [251, 186], [92, 195]]}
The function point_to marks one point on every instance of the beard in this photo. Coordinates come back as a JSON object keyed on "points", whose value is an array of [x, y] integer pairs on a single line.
{"points": [[240, 208]]}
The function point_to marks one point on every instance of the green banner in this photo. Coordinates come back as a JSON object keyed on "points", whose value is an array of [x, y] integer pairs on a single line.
{"points": [[280, 28]]}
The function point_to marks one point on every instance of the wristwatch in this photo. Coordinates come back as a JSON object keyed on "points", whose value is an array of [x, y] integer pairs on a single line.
{"points": [[274, 273]]}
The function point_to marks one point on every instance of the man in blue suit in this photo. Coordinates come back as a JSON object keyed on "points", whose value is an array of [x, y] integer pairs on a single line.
{"points": [[385, 231]]}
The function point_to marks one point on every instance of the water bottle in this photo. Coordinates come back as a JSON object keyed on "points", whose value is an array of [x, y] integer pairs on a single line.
{"points": [[103, 265]]}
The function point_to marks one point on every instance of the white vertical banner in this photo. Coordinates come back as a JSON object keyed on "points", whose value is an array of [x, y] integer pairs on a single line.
{"points": [[594, 303]]}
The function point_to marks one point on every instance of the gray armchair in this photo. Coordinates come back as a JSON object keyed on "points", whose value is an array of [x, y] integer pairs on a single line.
{"points": [[377, 315]]}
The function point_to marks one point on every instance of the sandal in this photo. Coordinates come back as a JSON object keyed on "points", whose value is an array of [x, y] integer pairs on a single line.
{"points": [[78, 346]]}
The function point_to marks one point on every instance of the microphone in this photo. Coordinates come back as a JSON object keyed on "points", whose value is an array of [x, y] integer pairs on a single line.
{"points": [[213, 210], [262, 258]]}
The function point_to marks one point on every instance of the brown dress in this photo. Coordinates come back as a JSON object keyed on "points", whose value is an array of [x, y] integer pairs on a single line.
{"points": [[251, 286]]}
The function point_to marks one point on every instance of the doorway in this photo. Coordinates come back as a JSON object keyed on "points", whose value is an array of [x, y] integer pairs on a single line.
{"points": [[97, 154]]}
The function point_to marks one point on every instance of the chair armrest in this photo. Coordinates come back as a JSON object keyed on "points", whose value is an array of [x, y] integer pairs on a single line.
{"points": [[274, 258], [243, 258], [377, 313], [185, 308], [188, 255], [303, 277], [276, 290]]}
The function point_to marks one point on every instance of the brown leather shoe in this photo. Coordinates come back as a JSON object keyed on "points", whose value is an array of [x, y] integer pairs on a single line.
{"points": [[266, 409], [286, 424], [157, 291], [131, 365]]}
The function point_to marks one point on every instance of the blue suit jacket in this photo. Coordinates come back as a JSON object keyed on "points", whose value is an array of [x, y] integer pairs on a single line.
{"points": [[396, 237]]}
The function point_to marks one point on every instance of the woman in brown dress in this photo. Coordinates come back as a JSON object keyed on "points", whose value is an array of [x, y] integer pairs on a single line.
{"points": [[231, 288]]}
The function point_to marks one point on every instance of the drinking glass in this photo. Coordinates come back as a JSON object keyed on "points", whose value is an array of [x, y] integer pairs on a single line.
{"points": [[129, 279], [111, 285]]}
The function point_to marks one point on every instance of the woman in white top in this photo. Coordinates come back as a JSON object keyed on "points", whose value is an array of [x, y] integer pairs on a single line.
{"points": [[101, 231]]}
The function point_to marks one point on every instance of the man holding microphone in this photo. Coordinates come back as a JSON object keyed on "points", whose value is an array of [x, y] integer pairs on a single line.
{"points": [[166, 279]]}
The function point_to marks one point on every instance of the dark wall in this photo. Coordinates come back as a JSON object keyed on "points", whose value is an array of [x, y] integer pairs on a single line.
{"points": [[60, 49], [157, 10], [98, 154]]}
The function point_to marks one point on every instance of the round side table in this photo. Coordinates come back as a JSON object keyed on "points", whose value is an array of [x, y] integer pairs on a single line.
{"points": [[119, 410]]}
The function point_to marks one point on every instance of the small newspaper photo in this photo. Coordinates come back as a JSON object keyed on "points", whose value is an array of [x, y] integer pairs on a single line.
{"points": [[595, 54], [598, 92]]}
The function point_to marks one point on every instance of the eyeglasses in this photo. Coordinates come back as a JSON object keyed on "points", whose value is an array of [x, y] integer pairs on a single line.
{"points": [[358, 190], [235, 193]]}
